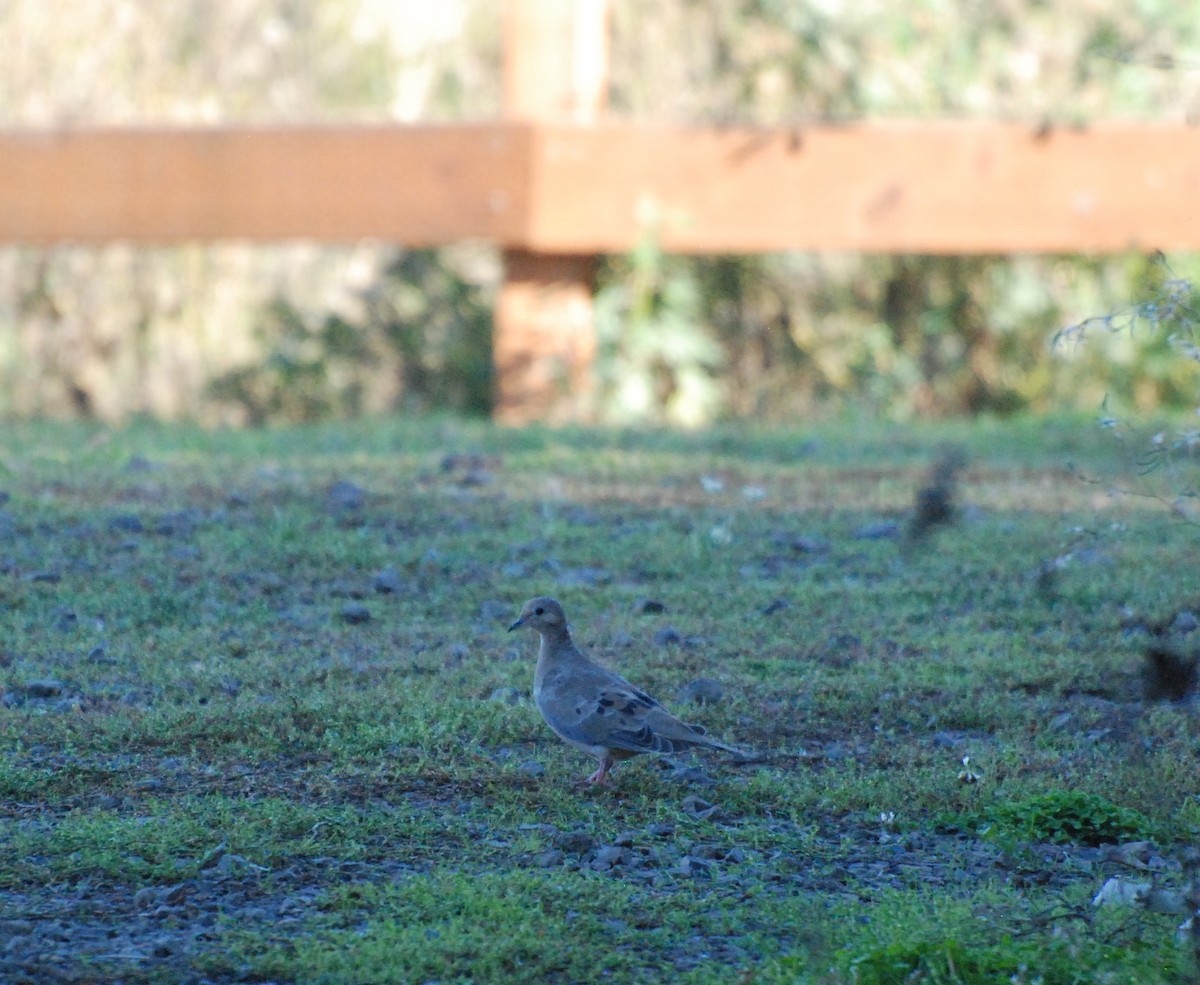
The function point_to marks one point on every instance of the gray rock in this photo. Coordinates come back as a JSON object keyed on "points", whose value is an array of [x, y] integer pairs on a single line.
{"points": [[693, 868], [702, 691], [387, 582], [145, 898], [506, 695], [879, 530], [140, 463], [668, 636], [532, 768], [1185, 622], [549, 859], [698, 807], [45, 688], [574, 842], [355, 613], [649, 607], [344, 497], [608, 857]]}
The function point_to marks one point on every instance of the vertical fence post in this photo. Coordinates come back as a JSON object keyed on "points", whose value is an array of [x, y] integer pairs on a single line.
{"points": [[555, 71]]}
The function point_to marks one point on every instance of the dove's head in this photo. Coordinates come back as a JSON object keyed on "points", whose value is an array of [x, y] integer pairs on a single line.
{"points": [[543, 614]]}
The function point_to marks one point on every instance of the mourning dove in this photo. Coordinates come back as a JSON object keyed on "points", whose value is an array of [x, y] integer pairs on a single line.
{"points": [[591, 707]]}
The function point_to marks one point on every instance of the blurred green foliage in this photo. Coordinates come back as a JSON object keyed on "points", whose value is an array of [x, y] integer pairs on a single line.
{"points": [[231, 333], [797, 335], [421, 339]]}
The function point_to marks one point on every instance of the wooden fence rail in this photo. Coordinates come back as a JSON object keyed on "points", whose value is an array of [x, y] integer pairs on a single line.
{"points": [[555, 188]]}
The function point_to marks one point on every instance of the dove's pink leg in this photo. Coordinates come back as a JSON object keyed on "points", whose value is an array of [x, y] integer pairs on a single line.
{"points": [[598, 777]]}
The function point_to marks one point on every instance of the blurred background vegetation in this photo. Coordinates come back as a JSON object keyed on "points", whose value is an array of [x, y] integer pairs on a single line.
{"points": [[237, 334]]}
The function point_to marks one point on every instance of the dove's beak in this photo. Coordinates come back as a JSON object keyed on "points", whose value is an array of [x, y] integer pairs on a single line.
{"points": [[517, 625]]}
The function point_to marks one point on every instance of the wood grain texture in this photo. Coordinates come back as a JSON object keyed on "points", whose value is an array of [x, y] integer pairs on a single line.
{"points": [[936, 187], [421, 186]]}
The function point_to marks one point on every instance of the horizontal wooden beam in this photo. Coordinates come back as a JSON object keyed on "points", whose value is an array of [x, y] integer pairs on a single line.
{"points": [[935, 187], [932, 187], [422, 186]]}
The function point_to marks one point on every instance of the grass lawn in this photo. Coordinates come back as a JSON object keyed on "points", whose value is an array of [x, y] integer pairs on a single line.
{"points": [[260, 720]]}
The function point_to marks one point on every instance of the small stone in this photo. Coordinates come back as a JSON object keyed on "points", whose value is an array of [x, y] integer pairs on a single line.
{"points": [[626, 839], [608, 857], [181, 523], [668, 636], [145, 897], [177, 894], [775, 605], [880, 530], [698, 807], [532, 768], [48, 577], [139, 463], [344, 497], [271, 583], [801, 544], [694, 868], [213, 856], [575, 842], [355, 613], [47, 688], [387, 582], [702, 691], [129, 523], [690, 776], [660, 829], [649, 606], [506, 695], [475, 477], [1185, 622], [549, 859]]}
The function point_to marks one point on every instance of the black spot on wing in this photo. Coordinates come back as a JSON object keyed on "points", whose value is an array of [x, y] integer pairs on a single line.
{"points": [[639, 740]]}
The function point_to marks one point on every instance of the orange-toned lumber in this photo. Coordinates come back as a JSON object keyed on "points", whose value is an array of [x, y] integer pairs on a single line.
{"points": [[953, 187], [420, 186], [927, 187]]}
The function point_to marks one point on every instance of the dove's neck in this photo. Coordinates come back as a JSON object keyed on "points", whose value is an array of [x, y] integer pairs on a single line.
{"points": [[556, 649]]}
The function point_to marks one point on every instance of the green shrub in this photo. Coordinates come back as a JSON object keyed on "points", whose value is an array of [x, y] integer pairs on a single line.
{"points": [[1061, 817]]}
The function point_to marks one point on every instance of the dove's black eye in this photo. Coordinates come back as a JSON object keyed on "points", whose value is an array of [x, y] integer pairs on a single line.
{"points": [[539, 611]]}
